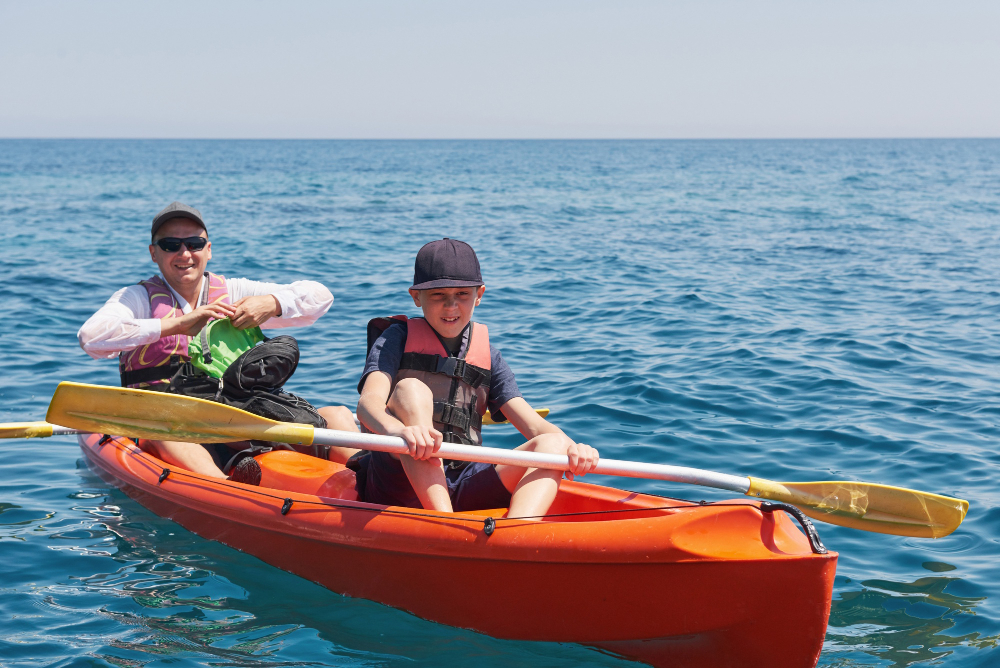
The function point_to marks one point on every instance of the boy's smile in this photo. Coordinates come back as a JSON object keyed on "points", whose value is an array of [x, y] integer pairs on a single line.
{"points": [[448, 310]]}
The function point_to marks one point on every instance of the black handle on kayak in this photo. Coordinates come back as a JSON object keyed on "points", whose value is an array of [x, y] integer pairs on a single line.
{"points": [[814, 542]]}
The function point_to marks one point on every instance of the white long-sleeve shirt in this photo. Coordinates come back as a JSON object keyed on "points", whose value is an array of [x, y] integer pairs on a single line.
{"points": [[125, 321]]}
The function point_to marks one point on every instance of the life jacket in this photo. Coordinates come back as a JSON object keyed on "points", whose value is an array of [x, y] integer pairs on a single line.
{"points": [[154, 363], [460, 384]]}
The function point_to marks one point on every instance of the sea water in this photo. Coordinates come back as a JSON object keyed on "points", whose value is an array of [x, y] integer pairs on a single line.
{"points": [[793, 310]]}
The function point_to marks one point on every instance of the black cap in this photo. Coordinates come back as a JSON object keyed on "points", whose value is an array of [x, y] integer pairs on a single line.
{"points": [[446, 263], [177, 210]]}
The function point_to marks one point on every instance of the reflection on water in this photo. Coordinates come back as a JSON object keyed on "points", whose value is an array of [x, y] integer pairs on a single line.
{"points": [[905, 623], [185, 597]]}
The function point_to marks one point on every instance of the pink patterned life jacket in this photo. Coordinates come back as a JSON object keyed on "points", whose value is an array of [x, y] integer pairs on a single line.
{"points": [[155, 363]]}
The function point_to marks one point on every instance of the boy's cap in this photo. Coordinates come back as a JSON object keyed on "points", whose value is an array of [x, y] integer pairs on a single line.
{"points": [[446, 263], [177, 210]]}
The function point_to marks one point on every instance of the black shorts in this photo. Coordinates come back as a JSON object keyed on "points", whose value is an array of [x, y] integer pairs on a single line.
{"points": [[476, 486]]}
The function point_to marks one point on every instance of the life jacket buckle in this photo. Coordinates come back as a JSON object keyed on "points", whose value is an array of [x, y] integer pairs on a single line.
{"points": [[452, 415], [452, 366]]}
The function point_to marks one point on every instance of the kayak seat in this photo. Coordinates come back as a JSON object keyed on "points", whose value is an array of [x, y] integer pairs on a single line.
{"points": [[296, 472]]}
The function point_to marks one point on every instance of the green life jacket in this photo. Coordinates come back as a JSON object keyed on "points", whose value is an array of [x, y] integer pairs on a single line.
{"points": [[224, 344]]}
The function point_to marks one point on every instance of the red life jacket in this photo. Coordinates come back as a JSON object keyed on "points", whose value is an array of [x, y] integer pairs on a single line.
{"points": [[460, 384], [154, 363]]}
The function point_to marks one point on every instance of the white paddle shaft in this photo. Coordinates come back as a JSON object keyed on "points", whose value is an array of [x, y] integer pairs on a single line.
{"points": [[478, 453]]}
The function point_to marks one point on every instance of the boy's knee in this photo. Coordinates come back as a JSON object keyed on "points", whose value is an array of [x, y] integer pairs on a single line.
{"points": [[555, 444], [409, 391]]}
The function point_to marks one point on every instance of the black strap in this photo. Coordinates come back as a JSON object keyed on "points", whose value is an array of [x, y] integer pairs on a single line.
{"points": [[452, 367], [152, 373], [460, 418]]}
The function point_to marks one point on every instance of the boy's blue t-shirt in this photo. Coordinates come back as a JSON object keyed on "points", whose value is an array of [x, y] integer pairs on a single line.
{"points": [[387, 352]]}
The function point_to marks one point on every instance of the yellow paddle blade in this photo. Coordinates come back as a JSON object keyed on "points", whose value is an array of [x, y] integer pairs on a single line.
{"points": [[121, 411], [25, 430], [868, 506], [488, 418]]}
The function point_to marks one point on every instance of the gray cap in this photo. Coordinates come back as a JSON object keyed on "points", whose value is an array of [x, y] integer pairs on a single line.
{"points": [[177, 210]]}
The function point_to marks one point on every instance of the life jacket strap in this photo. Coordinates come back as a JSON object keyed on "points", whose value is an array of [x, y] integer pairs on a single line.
{"points": [[457, 417], [447, 366], [153, 373]]}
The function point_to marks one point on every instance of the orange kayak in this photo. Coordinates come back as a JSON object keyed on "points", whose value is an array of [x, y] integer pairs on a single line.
{"points": [[659, 580]]}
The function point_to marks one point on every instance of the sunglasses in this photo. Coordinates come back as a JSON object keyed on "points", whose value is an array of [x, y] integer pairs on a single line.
{"points": [[173, 244]]}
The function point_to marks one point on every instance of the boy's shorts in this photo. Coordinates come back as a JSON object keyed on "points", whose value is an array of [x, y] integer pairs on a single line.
{"points": [[477, 486]]}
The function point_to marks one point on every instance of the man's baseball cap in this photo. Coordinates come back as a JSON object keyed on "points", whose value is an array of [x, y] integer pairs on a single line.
{"points": [[177, 210], [446, 263]]}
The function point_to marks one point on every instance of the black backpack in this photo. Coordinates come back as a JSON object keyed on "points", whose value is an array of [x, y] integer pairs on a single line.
{"points": [[253, 382]]}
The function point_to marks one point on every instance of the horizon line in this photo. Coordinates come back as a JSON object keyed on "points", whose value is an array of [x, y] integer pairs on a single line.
{"points": [[520, 139]]}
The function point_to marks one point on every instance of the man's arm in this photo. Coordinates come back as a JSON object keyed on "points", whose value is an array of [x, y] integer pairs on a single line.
{"points": [[123, 323], [274, 305]]}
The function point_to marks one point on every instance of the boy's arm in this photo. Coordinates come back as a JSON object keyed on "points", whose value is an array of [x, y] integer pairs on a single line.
{"points": [[582, 458], [526, 420], [373, 413]]}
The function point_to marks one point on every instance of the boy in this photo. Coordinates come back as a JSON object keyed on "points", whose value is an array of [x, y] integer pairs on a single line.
{"points": [[431, 379]]}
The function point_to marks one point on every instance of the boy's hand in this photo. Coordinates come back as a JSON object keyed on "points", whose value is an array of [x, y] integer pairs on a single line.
{"points": [[582, 459], [422, 441]]}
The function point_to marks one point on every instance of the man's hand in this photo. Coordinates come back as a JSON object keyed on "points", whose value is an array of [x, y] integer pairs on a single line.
{"points": [[582, 459], [191, 323], [254, 311], [422, 441]]}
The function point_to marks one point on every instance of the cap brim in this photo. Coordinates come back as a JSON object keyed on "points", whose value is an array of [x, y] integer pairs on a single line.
{"points": [[446, 283]]}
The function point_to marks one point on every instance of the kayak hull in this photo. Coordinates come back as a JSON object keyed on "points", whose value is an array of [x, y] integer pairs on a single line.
{"points": [[658, 580]]}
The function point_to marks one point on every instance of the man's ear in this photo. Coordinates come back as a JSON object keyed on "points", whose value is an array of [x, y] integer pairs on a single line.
{"points": [[152, 252], [416, 296], [479, 293], [208, 251]]}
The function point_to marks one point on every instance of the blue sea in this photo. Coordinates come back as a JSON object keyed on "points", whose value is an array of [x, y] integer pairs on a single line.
{"points": [[793, 310]]}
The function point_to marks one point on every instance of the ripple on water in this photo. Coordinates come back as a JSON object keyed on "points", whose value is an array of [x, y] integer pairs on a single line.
{"points": [[794, 310]]}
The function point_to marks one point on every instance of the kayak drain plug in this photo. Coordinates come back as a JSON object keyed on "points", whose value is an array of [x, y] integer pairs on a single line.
{"points": [[163, 476], [286, 506], [489, 526]]}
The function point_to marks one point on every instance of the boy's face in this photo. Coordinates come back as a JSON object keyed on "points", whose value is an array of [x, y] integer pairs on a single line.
{"points": [[448, 310]]}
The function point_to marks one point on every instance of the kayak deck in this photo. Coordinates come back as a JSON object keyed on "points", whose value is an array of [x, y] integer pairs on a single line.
{"points": [[664, 581]]}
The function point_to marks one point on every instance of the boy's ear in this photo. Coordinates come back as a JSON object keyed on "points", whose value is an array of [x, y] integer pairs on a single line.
{"points": [[416, 296], [479, 293]]}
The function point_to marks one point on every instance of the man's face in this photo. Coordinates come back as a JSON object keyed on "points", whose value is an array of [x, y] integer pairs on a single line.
{"points": [[183, 268], [448, 310]]}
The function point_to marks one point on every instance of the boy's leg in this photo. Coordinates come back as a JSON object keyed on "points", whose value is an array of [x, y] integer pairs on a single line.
{"points": [[533, 490], [341, 419], [191, 456], [412, 402]]}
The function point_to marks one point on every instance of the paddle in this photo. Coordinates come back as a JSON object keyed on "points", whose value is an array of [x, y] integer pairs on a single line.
{"points": [[155, 415], [45, 429]]}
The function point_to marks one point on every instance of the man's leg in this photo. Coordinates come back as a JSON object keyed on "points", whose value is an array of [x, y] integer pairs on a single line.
{"points": [[191, 456], [533, 490], [412, 402], [341, 419]]}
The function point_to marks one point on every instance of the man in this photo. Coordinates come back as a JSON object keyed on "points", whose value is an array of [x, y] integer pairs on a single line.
{"points": [[148, 325]]}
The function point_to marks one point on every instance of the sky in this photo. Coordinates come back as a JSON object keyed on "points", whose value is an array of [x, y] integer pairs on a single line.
{"points": [[483, 69]]}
